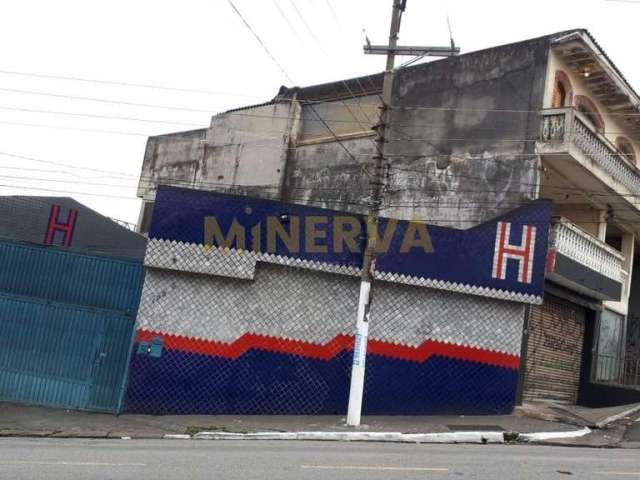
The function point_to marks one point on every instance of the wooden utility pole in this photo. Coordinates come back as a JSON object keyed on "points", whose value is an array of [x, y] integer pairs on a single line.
{"points": [[377, 181]]}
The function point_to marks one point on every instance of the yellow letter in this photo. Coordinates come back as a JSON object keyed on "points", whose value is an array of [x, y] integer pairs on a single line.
{"points": [[291, 239], [340, 236], [423, 240], [256, 238], [389, 231], [213, 234], [311, 234]]}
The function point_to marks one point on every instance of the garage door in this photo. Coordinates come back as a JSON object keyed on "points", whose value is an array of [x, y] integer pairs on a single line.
{"points": [[62, 356], [554, 351]]}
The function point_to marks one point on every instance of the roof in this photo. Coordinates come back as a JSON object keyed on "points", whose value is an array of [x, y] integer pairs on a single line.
{"points": [[603, 54], [33, 219], [372, 84]]}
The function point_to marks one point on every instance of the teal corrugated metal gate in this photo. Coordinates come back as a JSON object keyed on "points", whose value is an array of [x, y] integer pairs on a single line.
{"points": [[57, 355], [56, 348]]}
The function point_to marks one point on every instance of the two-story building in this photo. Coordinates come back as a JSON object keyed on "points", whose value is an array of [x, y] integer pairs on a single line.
{"points": [[471, 137]]}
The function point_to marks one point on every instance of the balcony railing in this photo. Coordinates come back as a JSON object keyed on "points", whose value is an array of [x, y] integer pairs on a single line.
{"points": [[566, 127], [571, 241]]}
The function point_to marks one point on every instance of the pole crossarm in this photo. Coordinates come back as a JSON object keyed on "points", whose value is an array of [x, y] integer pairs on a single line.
{"points": [[412, 50]]}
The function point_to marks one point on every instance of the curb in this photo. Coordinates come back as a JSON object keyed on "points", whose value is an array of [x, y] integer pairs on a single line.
{"points": [[478, 437], [391, 437], [614, 418], [545, 436]]}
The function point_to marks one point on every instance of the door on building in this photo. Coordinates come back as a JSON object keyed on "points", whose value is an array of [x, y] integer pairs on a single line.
{"points": [[554, 351], [62, 356]]}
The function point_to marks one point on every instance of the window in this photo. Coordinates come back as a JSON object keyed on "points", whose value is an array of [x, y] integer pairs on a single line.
{"points": [[562, 91], [585, 106], [626, 149]]}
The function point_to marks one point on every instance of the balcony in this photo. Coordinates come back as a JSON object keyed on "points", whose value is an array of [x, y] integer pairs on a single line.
{"points": [[570, 145], [581, 262]]}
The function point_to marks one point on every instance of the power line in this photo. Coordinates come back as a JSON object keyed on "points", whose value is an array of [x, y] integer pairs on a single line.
{"points": [[67, 192], [419, 202], [89, 115], [351, 94], [440, 204], [394, 170], [104, 100], [121, 83], [306, 25], [257, 37], [334, 14], [77, 129], [286, 19], [51, 162], [287, 76]]}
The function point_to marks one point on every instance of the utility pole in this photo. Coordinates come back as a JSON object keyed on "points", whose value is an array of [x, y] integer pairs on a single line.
{"points": [[368, 266]]}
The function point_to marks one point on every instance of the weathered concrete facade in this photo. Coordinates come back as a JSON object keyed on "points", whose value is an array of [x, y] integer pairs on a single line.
{"points": [[471, 137], [452, 154]]}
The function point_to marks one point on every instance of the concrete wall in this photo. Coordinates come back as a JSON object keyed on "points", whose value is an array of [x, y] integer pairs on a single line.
{"points": [[246, 149], [172, 159], [456, 162], [465, 128]]}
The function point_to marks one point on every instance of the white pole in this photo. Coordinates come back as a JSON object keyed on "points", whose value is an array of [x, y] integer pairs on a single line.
{"points": [[359, 357]]}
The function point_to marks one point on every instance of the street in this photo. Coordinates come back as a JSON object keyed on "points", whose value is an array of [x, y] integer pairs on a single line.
{"points": [[166, 459]]}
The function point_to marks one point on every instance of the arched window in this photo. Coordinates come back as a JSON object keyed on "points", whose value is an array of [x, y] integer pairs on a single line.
{"points": [[626, 149], [589, 110], [562, 91]]}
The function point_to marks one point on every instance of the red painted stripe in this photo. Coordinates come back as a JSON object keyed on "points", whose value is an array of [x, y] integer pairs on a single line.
{"points": [[329, 350]]}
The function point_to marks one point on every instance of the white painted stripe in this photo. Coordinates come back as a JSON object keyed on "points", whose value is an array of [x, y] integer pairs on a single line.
{"points": [[622, 474], [447, 437], [541, 436], [73, 464], [374, 468]]}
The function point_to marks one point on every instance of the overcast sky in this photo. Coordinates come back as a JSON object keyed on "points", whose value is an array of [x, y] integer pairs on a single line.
{"points": [[202, 45]]}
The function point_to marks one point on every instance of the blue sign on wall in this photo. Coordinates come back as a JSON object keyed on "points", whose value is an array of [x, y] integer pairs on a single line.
{"points": [[506, 254]]}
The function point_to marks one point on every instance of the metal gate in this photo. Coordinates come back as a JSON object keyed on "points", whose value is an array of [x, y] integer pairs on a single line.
{"points": [[57, 355], [554, 351]]}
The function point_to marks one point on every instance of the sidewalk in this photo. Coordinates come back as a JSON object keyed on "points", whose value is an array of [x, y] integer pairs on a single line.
{"points": [[19, 420], [39, 421]]}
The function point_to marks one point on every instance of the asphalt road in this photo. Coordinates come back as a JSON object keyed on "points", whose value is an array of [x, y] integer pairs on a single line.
{"points": [[166, 459]]}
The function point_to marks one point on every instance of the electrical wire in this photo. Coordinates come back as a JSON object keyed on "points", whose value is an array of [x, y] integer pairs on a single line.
{"points": [[120, 83], [105, 117], [287, 21], [257, 37], [104, 100], [394, 170]]}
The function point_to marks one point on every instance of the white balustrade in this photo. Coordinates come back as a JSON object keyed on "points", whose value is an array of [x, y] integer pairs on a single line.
{"points": [[571, 241], [570, 127]]}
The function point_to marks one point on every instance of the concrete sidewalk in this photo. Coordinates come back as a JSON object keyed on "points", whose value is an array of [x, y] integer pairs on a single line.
{"points": [[38, 421], [538, 423]]}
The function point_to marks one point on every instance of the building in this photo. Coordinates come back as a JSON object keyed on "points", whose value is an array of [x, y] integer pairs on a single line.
{"points": [[69, 291], [471, 138], [249, 307]]}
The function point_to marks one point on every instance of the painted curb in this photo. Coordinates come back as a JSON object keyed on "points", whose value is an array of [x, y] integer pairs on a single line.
{"points": [[543, 436], [614, 418], [395, 437], [177, 436]]}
